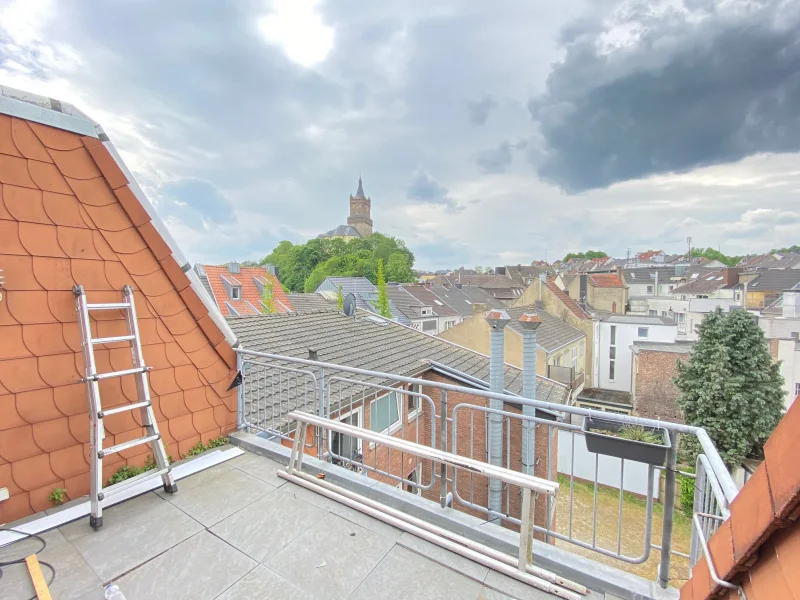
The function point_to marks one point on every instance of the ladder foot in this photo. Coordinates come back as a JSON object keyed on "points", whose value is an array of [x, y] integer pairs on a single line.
{"points": [[170, 488], [96, 522]]}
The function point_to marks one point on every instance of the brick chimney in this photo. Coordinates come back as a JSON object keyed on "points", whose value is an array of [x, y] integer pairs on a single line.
{"points": [[731, 275]]}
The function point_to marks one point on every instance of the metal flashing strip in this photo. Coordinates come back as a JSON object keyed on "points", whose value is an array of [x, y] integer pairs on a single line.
{"points": [[42, 112], [78, 511]]}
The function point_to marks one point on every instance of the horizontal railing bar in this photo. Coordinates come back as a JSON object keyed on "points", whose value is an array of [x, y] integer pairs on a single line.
{"points": [[536, 484]]}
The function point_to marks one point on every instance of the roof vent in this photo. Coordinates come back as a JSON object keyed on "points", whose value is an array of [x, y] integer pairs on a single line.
{"points": [[234, 268]]}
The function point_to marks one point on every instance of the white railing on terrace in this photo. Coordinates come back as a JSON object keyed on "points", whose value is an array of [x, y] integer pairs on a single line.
{"points": [[417, 410]]}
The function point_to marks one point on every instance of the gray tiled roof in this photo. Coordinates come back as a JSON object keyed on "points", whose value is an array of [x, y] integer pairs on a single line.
{"points": [[425, 297], [341, 230], [367, 342], [365, 292], [647, 275], [307, 302], [774, 280], [462, 299], [553, 333]]}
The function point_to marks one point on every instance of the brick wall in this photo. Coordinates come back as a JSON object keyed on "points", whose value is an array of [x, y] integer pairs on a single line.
{"points": [[654, 395]]}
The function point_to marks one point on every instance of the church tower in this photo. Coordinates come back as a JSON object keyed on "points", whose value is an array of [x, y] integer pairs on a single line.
{"points": [[360, 212]]}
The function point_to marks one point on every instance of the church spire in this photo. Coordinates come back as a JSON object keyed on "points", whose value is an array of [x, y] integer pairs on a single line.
{"points": [[360, 191]]}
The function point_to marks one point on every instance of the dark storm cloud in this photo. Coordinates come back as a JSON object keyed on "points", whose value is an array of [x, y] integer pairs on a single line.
{"points": [[687, 94], [479, 111], [426, 189]]}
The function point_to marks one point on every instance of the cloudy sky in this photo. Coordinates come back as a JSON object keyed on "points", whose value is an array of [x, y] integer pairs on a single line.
{"points": [[486, 132]]}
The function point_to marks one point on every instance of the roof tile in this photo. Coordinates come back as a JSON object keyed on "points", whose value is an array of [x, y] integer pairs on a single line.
{"points": [[5, 316], [175, 355], [211, 330], [40, 240], [787, 547], [9, 417], [193, 303], [767, 578], [92, 192], [7, 145], [4, 214], [182, 428], [44, 339], [155, 356], [15, 507], [69, 462], [157, 244], [752, 514], [79, 427], [141, 263], [76, 164], [136, 212], [121, 424], [163, 381], [53, 273], [77, 486], [109, 218], [175, 274], [47, 177], [9, 233], [25, 204], [782, 464], [180, 323], [14, 171], [63, 209], [53, 435], [186, 377], [26, 141], [163, 332], [6, 480], [102, 247], [127, 241], [226, 352], [195, 399], [62, 306], [59, 369], [148, 332], [701, 580], [18, 443], [216, 372], [154, 284], [173, 405], [204, 357], [111, 170], [90, 274], [192, 341], [29, 307], [203, 420], [56, 139], [71, 399], [77, 243], [34, 472], [721, 547], [118, 277], [37, 406], [13, 345]]}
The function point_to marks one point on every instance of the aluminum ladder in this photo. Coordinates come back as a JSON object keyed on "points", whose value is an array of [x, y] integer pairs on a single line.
{"points": [[96, 412]]}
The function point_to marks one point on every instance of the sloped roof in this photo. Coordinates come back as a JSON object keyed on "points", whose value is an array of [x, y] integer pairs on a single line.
{"points": [[774, 280], [567, 301], [552, 334], [373, 343], [424, 296], [365, 292], [309, 302], [71, 213], [647, 275], [341, 231], [462, 299], [605, 280], [249, 278], [703, 283]]}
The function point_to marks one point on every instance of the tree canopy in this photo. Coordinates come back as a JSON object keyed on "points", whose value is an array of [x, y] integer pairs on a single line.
{"points": [[794, 248], [304, 266], [730, 386], [712, 254], [585, 255]]}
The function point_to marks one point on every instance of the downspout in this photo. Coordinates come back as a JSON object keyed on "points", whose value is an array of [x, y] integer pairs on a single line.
{"points": [[497, 319], [529, 322]]}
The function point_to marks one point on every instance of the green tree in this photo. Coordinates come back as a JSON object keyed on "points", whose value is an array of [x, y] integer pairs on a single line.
{"points": [[730, 387], [397, 268], [585, 255], [383, 295], [339, 298], [712, 254], [268, 297], [794, 248]]}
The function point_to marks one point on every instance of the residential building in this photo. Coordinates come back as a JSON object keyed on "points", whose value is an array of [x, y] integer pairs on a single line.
{"points": [[648, 282], [310, 302], [463, 298], [787, 351], [72, 214], [654, 367], [776, 260], [425, 311], [561, 348], [781, 325], [762, 287], [504, 288], [238, 290], [599, 291], [614, 336], [650, 257], [359, 223], [365, 292], [365, 342]]}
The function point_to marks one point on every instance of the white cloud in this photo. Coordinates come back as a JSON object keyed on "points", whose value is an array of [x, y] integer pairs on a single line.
{"points": [[297, 28]]}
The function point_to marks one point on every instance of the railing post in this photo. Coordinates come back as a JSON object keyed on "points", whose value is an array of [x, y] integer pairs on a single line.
{"points": [[443, 442], [669, 507], [240, 393], [312, 355]]}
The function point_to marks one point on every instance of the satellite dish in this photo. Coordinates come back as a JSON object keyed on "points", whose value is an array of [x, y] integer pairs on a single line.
{"points": [[349, 306]]}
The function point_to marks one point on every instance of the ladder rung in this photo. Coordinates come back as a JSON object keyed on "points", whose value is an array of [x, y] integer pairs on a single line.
{"points": [[123, 485], [126, 445], [102, 376], [112, 340], [119, 409], [111, 306]]}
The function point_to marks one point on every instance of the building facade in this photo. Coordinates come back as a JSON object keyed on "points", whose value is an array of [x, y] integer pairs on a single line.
{"points": [[359, 221]]}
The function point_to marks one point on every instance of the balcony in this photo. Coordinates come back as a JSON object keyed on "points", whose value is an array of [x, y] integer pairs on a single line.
{"points": [[358, 508]]}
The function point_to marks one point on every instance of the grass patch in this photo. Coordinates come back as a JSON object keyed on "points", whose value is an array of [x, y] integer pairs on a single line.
{"points": [[635, 433], [128, 471], [57, 496]]}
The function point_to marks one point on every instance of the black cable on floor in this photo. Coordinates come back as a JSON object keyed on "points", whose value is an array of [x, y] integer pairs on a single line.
{"points": [[22, 560]]}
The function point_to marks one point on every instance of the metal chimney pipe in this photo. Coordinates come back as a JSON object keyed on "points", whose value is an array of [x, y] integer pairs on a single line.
{"points": [[530, 322], [497, 319]]}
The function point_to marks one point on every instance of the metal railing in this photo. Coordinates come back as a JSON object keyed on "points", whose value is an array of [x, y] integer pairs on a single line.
{"points": [[417, 410]]}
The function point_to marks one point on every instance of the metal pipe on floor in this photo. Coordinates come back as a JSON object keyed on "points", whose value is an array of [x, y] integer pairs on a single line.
{"points": [[488, 557]]}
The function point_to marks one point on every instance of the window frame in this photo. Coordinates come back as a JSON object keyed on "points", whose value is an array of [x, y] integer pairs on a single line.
{"points": [[413, 414], [236, 292], [359, 410], [392, 427], [646, 332], [613, 335]]}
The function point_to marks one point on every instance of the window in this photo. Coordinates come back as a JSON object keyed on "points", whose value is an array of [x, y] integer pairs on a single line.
{"points": [[643, 332], [236, 292], [611, 370], [670, 288], [652, 313], [796, 390], [649, 289], [612, 353], [613, 335], [413, 402], [344, 445], [384, 413], [663, 313], [557, 360], [415, 477], [737, 295], [574, 361]]}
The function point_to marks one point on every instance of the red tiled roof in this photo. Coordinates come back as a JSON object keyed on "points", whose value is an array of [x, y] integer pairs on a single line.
{"points": [[758, 547], [250, 304], [67, 216], [566, 300], [606, 280], [649, 254]]}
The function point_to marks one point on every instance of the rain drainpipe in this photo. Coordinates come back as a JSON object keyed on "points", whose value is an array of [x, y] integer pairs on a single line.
{"points": [[497, 319], [529, 322]]}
